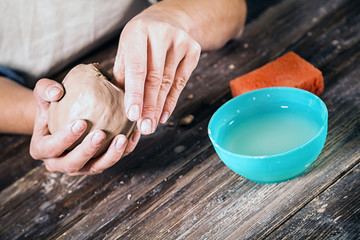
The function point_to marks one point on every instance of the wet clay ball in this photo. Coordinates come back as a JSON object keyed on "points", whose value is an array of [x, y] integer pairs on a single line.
{"points": [[89, 95]]}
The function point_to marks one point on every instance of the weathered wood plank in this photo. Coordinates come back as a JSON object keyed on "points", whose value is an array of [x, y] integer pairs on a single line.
{"points": [[113, 225], [73, 207], [209, 201], [15, 159], [334, 214], [332, 125]]}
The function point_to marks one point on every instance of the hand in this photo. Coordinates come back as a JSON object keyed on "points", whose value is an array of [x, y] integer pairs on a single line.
{"points": [[154, 61], [52, 148]]}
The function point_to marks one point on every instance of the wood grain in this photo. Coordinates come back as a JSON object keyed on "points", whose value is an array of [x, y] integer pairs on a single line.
{"points": [[212, 202], [334, 214], [174, 186], [15, 161]]}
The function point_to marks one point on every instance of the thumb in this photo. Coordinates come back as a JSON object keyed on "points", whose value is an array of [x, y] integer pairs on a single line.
{"points": [[45, 91]]}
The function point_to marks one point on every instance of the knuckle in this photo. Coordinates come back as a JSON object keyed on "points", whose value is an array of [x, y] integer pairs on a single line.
{"points": [[196, 48], [71, 168], [134, 95], [180, 83], [34, 152], [88, 153], [181, 39], [46, 152], [136, 68], [136, 23], [51, 153], [166, 82], [137, 72], [38, 151], [153, 78], [149, 109], [193, 55], [133, 27], [165, 30]]}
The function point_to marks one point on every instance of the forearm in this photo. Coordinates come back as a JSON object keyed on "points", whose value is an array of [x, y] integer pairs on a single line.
{"points": [[210, 22], [17, 106]]}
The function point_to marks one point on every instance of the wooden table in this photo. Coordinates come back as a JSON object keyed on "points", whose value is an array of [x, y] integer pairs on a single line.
{"points": [[174, 186]]}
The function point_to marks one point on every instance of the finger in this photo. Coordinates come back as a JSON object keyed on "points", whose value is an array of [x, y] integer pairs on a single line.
{"points": [[156, 61], [119, 148], [119, 69], [112, 156], [135, 61], [52, 146], [73, 161], [45, 91], [182, 75], [173, 59], [133, 141]]}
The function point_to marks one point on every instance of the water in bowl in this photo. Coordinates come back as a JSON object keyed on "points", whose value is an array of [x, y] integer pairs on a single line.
{"points": [[267, 133]]}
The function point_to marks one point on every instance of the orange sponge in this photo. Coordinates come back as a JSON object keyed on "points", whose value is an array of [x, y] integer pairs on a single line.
{"points": [[289, 70]]}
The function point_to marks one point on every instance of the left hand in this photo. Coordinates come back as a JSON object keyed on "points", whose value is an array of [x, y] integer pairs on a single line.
{"points": [[51, 148]]}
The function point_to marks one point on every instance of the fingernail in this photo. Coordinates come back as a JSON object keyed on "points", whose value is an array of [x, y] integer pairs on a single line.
{"points": [[53, 92], [97, 138], [164, 117], [79, 126], [120, 142], [134, 112], [146, 126]]}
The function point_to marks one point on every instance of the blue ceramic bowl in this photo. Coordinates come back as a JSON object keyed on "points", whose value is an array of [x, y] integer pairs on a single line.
{"points": [[270, 135]]}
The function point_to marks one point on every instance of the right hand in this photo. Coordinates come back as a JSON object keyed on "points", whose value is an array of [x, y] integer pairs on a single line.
{"points": [[155, 59], [52, 148]]}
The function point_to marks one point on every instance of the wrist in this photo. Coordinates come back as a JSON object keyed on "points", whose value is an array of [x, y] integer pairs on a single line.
{"points": [[170, 12]]}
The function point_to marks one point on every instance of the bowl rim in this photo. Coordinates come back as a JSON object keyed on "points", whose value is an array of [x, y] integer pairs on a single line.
{"points": [[322, 128]]}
